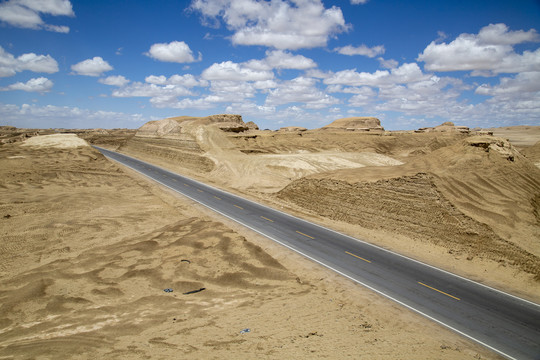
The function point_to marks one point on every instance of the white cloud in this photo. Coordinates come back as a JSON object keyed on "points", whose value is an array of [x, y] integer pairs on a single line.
{"points": [[57, 28], [186, 80], [117, 80], [489, 51], [138, 89], [388, 64], [349, 89], [175, 51], [526, 82], [231, 91], [201, 103], [430, 97], [52, 7], [356, 2], [26, 13], [162, 91], [92, 67], [229, 70], [40, 85], [50, 116], [517, 96], [406, 73], [265, 84], [220, 91], [498, 34], [280, 24], [279, 59], [361, 50], [364, 95], [9, 65], [303, 90], [250, 109]]}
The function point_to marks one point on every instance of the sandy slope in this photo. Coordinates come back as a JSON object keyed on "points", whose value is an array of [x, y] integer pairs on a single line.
{"points": [[469, 208], [203, 150], [87, 249], [478, 203]]}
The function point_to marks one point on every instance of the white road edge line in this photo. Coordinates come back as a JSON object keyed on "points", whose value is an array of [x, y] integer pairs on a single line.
{"points": [[331, 268]]}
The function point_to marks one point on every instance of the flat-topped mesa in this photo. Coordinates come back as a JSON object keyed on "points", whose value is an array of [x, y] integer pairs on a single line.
{"points": [[173, 127], [358, 123], [445, 127]]}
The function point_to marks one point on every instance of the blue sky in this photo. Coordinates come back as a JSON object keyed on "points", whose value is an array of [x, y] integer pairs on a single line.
{"points": [[102, 63]]}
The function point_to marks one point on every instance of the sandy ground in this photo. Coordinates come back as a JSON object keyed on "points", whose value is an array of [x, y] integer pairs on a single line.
{"points": [[87, 249], [520, 136]]}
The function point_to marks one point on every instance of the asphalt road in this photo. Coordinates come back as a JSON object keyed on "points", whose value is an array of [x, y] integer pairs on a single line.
{"points": [[501, 322]]}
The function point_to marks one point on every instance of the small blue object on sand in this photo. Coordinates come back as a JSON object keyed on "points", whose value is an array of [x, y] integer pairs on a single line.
{"points": [[246, 330], [168, 290]]}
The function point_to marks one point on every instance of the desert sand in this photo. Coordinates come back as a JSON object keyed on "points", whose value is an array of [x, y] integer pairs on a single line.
{"points": [[88, 247], [462, 200]]}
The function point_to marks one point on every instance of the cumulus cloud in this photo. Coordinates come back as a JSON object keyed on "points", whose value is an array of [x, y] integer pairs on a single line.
{"points": [[362, 50], [92, 67], [10, 65], [247, 108], [387, 63], [280, 24], [231, 91], [186, 80], [162, 91], [429, 97], [406, 73], [356, 2], [526, 82], [364, 95], [33, 116], [231, 71], [117, 80], [517, 96], [40, 85], [175, 51], [138, 89], [488, 52], [279, 59], [303, 90], [26, 13], [200, 103]]}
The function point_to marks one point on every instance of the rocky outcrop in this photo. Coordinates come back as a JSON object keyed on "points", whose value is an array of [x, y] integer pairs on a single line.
{"points": [[292, 128], [493, 145], [228, 118], [445, 127], [252, 126], [355, 124], [173, 127], [161, 128]]}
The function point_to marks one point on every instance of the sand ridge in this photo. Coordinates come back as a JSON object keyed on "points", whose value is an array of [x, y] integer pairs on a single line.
{"points": [[61, 141]]}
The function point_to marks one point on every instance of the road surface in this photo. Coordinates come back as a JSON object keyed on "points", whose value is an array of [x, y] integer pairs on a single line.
{"points": [[501, 322]]}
